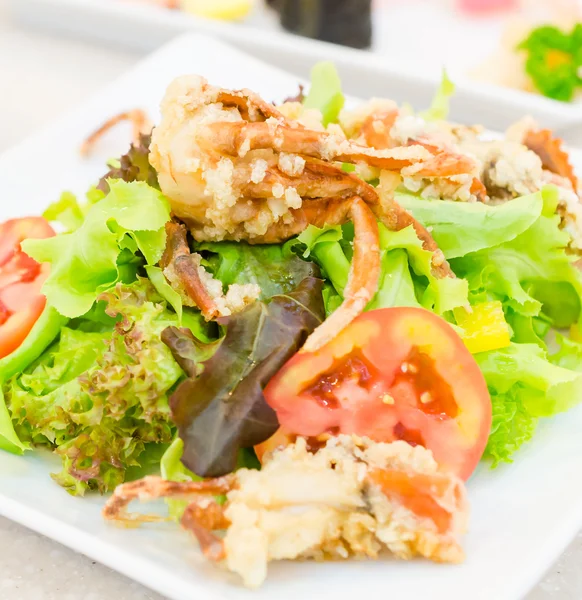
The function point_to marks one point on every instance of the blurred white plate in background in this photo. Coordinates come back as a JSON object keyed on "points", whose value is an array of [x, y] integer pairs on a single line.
{"points": [[414, 40]]}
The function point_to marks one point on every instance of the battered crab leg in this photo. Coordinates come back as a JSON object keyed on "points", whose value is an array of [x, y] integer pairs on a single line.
{"points": [[139, 121], [202, 515], [177, 256], [375, 133], [364, 271], [236, 139]]}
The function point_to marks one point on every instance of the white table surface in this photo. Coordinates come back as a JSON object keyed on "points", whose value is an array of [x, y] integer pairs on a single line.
{"points": [[41, 77]]}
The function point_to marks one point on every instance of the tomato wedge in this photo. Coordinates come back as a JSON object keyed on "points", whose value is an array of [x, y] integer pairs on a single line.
{"points": [[21, 280], [393, 374]]}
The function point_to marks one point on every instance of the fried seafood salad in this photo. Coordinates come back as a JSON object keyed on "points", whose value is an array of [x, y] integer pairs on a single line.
{"points": [[302, 325]]}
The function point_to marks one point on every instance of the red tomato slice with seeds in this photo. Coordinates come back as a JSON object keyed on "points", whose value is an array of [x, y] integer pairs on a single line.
{"points": [[21, 280], [392, 374]]}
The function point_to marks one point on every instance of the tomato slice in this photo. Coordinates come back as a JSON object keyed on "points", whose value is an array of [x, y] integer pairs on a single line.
{"points": [[393, 374], [21, 280]]}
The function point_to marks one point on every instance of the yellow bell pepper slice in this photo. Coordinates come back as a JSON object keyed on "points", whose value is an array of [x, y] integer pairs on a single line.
{"points": [[228, 10], [484, 327]]}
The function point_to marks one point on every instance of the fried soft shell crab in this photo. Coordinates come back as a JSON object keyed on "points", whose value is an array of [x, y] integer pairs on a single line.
{"points": [[235, 168], [352, 498]]}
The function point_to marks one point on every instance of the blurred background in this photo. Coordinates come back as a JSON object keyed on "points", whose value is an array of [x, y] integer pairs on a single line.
{"points": [[71, 47]]}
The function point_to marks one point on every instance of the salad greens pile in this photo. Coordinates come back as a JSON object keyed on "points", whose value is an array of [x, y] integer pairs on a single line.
{"points": [[117, 377], [220, 409], [99, 394], [93, 379]]}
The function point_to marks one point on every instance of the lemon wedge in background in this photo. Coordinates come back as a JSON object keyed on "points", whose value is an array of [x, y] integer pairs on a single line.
{"points": [[228, 10]]}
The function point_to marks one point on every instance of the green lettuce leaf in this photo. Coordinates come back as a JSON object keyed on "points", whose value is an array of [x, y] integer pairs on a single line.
{"points": [[44, 331], [524, 386], [172, 469], [460, 228], [532, 273], [568, 354], [439, 108], [273, 267], [99, 395], [69, 212], [515, 252], [66, 211], [102, 251], [406, 278], [165, 290], [325, 93]]}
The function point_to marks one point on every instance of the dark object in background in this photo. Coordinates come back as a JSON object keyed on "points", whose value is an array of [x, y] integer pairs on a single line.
{"points": [[346, 22]]}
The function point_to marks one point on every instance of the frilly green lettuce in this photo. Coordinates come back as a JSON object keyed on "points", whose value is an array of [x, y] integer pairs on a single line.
{"points": [[532, 273], [99, 395], [515, 253], [460, 228], [103, 250], [524, 386]]}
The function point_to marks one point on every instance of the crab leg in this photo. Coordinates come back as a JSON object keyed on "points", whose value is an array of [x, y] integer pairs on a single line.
{"points": [[395, 218], [238, 138], [251, 106], [138, 119], [317, 180], [151, 488], [177, 256], [202, 519], [364, 270]]}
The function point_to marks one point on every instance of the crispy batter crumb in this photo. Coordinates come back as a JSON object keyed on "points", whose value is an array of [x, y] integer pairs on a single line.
{"points": [[291, 164]]}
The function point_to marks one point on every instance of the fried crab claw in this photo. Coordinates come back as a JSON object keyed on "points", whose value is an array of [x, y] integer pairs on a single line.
{"points": [[353, 497], [235, 168]]}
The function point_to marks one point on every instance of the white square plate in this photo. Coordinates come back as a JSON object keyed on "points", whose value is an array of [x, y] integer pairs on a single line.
{"points": [[523, 514], [414, 40]]}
